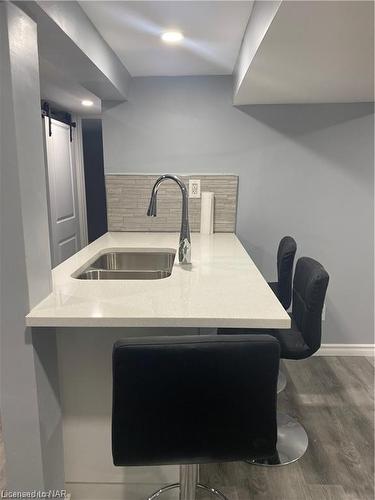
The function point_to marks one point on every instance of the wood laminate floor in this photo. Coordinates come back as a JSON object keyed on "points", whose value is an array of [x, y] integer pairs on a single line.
{"points": [[333, 397]]}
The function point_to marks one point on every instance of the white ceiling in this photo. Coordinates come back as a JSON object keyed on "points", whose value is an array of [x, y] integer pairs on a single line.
{"points": [[313, 51], [213, 31]]}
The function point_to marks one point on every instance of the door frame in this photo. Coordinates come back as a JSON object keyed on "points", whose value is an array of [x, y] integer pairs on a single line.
{"points": [[80, 176]]}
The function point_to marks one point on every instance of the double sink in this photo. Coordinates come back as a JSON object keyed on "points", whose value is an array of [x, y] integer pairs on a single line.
{"points": [[132, 264]]}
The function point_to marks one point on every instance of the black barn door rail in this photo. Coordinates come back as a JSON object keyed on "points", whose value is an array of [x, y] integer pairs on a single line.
{"points": [[61, 116]]}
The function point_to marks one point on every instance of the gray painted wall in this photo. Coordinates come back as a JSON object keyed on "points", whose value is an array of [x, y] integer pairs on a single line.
{"points": [[304, 170], [30, 409]]}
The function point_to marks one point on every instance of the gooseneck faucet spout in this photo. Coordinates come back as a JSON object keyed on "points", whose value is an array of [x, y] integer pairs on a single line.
{"points": [[184, 250]]}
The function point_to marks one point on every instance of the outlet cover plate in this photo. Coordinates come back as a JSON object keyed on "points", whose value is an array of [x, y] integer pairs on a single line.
{"points": [[194, 188]]}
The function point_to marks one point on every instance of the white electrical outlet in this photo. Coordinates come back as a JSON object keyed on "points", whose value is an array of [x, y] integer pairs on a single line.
{"points": [[194, 188]]}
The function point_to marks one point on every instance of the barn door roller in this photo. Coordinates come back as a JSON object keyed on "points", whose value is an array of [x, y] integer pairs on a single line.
{"points": [[61, 116]]}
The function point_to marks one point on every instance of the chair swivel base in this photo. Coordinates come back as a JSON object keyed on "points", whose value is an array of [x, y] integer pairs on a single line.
{"points": [[214, 492], [292, 442]]}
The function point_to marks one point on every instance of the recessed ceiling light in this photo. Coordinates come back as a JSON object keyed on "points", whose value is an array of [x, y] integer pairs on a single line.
{"points": [[87, 103], [172, 36]]}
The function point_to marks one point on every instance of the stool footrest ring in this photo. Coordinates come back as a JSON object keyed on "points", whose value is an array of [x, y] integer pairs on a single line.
{"points": [[169, 487]]}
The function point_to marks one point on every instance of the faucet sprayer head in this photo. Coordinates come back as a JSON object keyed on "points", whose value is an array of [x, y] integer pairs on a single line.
{"points": [[151, 212]]}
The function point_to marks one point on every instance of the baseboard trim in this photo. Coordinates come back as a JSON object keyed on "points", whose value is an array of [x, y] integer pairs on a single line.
{"points": [[346, 350]]}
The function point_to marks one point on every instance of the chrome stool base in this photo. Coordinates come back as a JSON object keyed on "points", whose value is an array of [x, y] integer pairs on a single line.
{"points": [[217, 493], [281, 382], [292, 442], [188, 485]]}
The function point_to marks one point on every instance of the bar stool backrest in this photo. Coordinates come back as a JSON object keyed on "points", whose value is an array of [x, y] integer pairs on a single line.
{"points": [[309, 291], [285, 259], [194, 399]]}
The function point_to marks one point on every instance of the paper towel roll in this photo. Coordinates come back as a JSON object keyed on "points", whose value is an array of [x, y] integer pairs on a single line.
{"points": [[207, 212]]}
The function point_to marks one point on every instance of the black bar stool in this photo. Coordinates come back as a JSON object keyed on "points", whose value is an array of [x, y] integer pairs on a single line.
{"points": [[194, 399], [282, 288], [301, 341]]}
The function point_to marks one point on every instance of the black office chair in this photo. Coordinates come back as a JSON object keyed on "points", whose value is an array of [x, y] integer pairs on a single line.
{"points": [[301, 341], [282, 288], [194, 399]]}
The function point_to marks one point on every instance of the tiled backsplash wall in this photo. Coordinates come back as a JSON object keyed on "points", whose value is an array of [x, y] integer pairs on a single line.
{"points": [[128, 197]]}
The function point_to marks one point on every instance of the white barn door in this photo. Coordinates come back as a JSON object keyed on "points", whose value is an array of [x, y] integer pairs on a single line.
{"points": [[63, 196]]}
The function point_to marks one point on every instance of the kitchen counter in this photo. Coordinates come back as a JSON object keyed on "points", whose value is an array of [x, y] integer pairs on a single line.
{"points": [[222, 287]]}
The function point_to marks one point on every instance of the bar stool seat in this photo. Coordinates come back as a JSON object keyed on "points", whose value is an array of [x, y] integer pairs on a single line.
{"points": [[292, 343]]}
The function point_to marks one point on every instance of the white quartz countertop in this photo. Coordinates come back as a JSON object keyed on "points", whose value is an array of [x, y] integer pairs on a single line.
{"points": [[222, 287]]}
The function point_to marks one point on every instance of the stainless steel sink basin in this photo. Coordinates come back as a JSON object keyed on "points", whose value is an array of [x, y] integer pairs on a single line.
{"points": [[129, 265], [102, 274]]}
